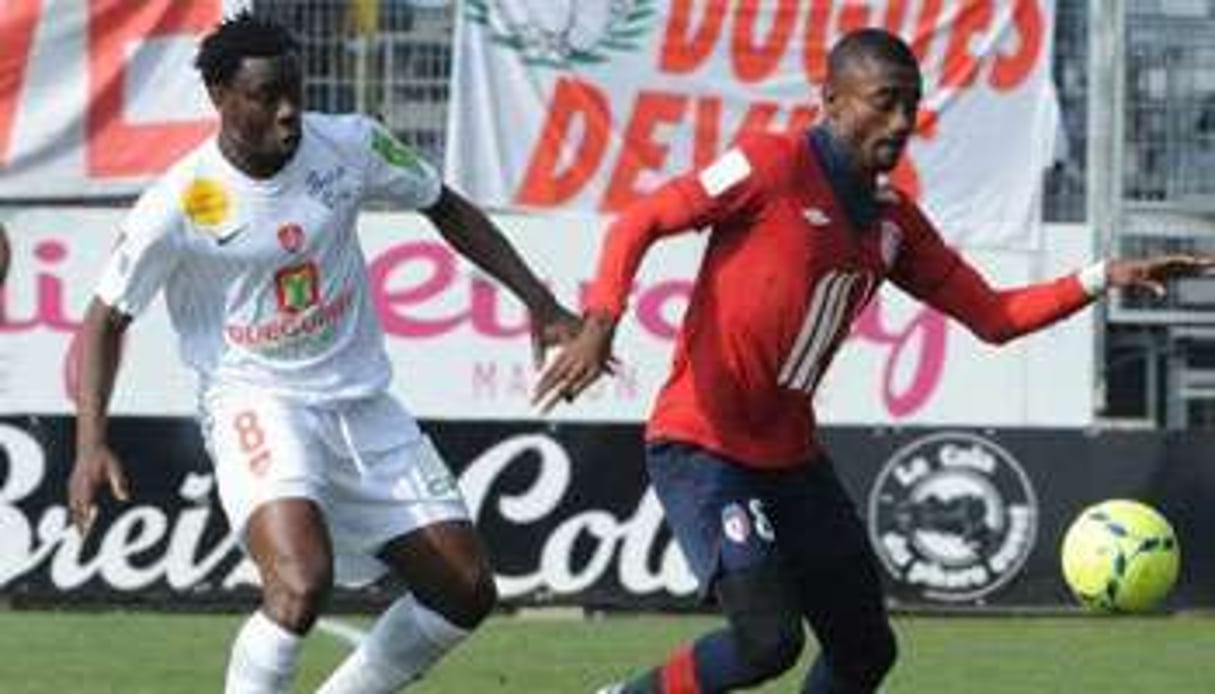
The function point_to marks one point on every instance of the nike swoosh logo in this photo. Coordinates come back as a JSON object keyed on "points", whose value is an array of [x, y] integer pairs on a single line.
{"points": [[231, 235]]}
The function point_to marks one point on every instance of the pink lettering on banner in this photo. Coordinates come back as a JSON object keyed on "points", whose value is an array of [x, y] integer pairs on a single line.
{"points": [[421, 291], [917, 348], [920, 342]]}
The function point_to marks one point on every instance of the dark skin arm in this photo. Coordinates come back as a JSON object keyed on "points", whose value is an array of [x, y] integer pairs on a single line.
{"points": [[5, 253], [96, 465], [474, 236]]}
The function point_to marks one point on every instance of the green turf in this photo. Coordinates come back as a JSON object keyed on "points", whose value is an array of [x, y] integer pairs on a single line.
{"points": [[42, 652]]}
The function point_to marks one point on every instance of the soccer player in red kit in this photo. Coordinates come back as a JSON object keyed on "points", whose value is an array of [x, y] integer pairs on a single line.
{"points": [[802, 233]]}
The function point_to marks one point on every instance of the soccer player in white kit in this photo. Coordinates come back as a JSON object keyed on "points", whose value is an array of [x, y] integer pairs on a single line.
{"points": [[323, 475]]}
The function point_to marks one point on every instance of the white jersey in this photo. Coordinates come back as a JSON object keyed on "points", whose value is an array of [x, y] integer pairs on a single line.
{"points": [[265, 280]]}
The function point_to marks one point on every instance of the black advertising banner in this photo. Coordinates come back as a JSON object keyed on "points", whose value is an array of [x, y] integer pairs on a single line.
{"points": [[958, 517]]}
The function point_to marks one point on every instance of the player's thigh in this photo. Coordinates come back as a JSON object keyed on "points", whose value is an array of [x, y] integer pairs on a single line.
{"points": [[834, 566], [289, 543], [263, 449], [376, 497], [716, 510]]}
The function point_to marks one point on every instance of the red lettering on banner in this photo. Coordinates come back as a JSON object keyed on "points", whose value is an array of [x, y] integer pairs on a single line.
{"points": [[853, 16], [752, 62], [896, 14], [681, 52], [814, 42], [695, 31], [574, 102], [17, 25], [706, 133], [641, 152], [1010, 70], [117, 147], [961, 64], [643, 149], [926, 28]]}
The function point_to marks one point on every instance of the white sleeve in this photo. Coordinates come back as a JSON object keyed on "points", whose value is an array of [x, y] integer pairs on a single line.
{"points": [[396, 173], [146, 253]]}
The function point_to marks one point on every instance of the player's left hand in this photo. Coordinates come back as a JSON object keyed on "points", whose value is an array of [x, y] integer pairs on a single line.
{"points": [[552, 325], [1153, 274]]}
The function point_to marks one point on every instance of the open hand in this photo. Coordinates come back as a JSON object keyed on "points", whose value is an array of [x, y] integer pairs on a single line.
{"points": [[1153, 274], [552, 325], [581, 363], [94, 469]]}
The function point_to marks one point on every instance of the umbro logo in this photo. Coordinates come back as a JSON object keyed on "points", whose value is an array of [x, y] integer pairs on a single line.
{"points": [[817, 217]]}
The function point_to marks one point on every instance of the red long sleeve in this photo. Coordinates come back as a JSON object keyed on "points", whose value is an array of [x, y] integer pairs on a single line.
{"points": [[998, 316], [678, 206]]}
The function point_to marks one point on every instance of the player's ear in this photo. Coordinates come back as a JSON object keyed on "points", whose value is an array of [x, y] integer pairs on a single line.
{"points": [[216, 93], [830, 95]]}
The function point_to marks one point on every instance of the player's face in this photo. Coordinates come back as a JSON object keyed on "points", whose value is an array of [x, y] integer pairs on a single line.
{"points": [[872, 107], [260, 110]]}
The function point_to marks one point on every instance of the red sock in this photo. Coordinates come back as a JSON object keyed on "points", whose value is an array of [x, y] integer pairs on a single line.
{"points": [[678, 674]]}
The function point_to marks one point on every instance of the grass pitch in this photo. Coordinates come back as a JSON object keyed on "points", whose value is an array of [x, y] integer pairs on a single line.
{"points": [[134, 653]]}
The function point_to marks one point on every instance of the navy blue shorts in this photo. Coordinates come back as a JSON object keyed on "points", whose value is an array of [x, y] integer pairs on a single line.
{"points": [[728, 518]]}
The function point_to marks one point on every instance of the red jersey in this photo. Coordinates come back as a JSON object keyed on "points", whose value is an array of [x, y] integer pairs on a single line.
{"points": [[783, 277]]}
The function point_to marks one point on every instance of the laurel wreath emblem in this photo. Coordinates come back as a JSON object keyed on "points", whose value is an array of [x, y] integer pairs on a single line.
{"points": [[627, 22]]}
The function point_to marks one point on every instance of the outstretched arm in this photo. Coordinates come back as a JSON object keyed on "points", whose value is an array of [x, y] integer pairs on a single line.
{"points": [[96, 465], [474, 236], [998, 316]]}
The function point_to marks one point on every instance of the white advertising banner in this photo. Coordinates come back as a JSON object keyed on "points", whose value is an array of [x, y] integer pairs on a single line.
{"points": [[459, 346], [588, 104], [98, 97]]}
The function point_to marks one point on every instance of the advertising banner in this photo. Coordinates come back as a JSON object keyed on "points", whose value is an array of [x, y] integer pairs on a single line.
{"points": [[587, 105], [458, 340], [958, 517], [99, 96]]}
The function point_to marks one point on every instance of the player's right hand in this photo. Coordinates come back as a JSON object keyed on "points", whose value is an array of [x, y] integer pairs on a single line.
{"points": [[583, 360], [94, 468]]}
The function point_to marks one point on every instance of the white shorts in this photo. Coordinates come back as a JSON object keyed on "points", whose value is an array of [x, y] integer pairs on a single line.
{"points": [[365, 462]]}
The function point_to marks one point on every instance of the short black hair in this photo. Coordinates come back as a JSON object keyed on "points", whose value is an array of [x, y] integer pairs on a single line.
{"points": [[243, 35], [870, 44]]}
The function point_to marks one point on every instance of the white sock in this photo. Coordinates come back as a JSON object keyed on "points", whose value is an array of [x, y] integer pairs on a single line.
{"points": [[263, 657], [406, 640]]}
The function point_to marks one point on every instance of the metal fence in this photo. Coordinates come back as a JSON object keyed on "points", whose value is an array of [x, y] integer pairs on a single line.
{"points": [[389, 58]]}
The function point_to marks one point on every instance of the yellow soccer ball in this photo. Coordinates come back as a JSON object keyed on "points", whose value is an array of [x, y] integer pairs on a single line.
{"points": [[1120, 556]]}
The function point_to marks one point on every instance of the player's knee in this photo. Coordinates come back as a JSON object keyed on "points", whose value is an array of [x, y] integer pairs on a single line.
{"points": [[297, 592], [764, 618], [465, 597], [770, 645], [476, 596]]}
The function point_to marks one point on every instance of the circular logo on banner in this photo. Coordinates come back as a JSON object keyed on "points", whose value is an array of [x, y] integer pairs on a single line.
{"points": [[557, 34], [953, 515]]}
